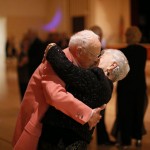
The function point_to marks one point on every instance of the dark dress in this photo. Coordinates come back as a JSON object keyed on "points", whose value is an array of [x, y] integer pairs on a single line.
{"points": [[131, 96], [91, 86]]}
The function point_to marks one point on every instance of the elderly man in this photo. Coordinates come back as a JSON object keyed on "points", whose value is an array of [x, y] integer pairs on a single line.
{"points": [[45, 88]]}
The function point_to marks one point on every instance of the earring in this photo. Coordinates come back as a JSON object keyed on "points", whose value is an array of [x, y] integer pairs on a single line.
{"points": [[117, 68]]}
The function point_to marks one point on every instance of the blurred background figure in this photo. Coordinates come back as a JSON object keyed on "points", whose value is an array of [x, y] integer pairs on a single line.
{"points": [[97, 29], [64, 40], [61, 39], [131, 92], [101, 129], [35, 51], [52, 37], [22, 65], [11, 50]]}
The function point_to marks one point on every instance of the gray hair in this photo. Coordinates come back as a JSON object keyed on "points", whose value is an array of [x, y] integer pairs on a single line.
{"points": [[123, 67], [83, 39], [133, 35]]}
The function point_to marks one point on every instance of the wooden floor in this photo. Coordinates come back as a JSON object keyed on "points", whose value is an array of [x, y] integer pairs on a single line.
{"points": [[10, 102]]}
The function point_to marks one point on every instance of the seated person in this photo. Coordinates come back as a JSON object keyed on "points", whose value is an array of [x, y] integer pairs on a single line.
{"points": [[93, 86]]}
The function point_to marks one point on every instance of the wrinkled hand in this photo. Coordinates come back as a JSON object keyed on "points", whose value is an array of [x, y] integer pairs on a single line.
{"points": [[47, 49], [96, 116]]}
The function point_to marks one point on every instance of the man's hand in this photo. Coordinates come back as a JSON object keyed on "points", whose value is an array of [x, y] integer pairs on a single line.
{"points": [[96, 116]]}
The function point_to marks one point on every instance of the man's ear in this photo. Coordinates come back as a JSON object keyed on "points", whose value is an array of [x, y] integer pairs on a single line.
{"points": [[79, 51]]}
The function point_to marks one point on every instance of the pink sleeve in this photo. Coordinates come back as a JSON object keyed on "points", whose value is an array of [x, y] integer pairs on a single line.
{"points": [[57, 96]]}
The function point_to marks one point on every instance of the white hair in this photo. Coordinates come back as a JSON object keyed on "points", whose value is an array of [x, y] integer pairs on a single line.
{"points": [[83, 39], [122, 68]]}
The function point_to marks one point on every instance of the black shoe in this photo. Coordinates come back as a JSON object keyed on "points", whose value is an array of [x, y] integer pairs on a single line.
{"points": [[138, 143]]}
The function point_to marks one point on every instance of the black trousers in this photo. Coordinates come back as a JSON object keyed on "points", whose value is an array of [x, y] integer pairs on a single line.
{"points": [[102, 135]]}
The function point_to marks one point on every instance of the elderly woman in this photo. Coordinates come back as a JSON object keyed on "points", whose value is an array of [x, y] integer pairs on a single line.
{"points": [[93, 86]]}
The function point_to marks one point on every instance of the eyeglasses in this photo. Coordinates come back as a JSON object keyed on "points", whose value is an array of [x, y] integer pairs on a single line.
{"points": [[97, 56]]}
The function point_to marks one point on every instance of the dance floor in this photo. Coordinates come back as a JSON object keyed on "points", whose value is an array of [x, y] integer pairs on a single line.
{"points": [[10, 103]]}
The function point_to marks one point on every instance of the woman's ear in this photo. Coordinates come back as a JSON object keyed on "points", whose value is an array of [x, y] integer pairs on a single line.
{"points": [[111, 67], [114, 65]]}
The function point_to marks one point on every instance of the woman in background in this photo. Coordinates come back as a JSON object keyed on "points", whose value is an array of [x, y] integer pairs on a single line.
{"points": [[131, 92]]}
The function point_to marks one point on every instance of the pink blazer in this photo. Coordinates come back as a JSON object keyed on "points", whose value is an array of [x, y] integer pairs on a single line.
{"points": [[45, 88]]}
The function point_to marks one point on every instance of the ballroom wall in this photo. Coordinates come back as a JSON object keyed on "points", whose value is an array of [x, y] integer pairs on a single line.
{"points": [[112, 15]]}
